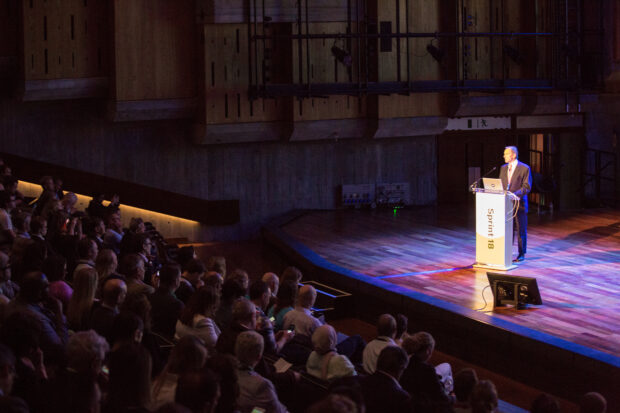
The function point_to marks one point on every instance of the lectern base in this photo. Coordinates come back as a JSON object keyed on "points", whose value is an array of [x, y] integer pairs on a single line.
{"points": [[494, 266]]}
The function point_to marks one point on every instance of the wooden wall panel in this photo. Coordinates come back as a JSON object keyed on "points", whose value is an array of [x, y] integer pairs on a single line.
{"points": [[64, 39], [155, 49], [477, 51]]}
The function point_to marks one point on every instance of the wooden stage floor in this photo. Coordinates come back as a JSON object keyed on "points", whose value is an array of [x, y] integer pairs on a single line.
{"points": [[575, 258]]}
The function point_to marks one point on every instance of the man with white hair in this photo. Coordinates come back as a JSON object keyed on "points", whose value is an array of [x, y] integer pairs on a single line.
{"points": [[301, 317], [255, 391]]}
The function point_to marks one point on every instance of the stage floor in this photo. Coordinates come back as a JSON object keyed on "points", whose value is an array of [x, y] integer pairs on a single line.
{"points": [[574, 257]]}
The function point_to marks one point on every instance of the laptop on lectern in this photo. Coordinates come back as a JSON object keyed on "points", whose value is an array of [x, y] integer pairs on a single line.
{"points": [[493, 184]]}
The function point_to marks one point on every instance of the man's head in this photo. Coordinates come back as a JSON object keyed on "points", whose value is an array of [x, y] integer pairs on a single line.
{"points": [[249, 348], [38, 226], [592, 403], [244, 313], [213, 279], [419, 345], [393, 361], [7, 369], [241, 277], [510, 153], [86, 351], [464, 382], [292, 273], [386, 326], [484, 397], [133, 267], [87, 249], [272, 281], [306, 296], [193, 271], [170, 277], [114, 292], [98, 226], [69, 201], [106, 262], [136, 225], [114, 221], [199, 391], [34, 287], [47, 183], [260, 294]]}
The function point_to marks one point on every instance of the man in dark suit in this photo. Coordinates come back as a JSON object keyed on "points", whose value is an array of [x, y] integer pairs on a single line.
{"points": [[382, 391], [517, 178]]}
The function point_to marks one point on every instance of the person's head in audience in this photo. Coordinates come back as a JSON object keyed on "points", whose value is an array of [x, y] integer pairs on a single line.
{"points": [[69, 201], [225, 366], [21, 221], [5, 268], [484, 397], [386, 326], [7, 370], [420, 346], [7, 201], [185, 254], [140, 305], [292, 274], [113, 222], [114, 292], [106, 263], [83, 297], [324, 339], [34, 287], [213, 279], [47, 183], [87, 249], [306, 296], [127, 328], [38, 226], [392, 361], [260, 294], [287, 294], [55, 268], [464, 382], [198, 390], [86, 351], [249, 348], [5, 170], [334, 403], [545, 403], [170, 277], [193, 272], [204, 302], [143, 244], [20, 332], [272, 281], [189, 354], [217, 264], [592, 402], [130, 378], [241, 277], [132, 267], [98, 226], [244, 313], [231, 290], [402, 323], [136, 225], [10, 184], [58, 184]]}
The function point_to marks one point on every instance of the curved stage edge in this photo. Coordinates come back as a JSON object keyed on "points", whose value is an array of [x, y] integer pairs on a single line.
{"points": [[535, 358]]}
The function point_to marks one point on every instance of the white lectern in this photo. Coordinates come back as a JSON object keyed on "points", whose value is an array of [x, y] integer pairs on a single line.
{"points": [[493, 230]]}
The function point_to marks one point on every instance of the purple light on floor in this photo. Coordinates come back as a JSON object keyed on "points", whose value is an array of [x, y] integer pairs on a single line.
{"points": [[408, 274]]}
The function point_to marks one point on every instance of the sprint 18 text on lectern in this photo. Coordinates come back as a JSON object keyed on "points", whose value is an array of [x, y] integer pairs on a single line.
{"points": [[493, 230]]}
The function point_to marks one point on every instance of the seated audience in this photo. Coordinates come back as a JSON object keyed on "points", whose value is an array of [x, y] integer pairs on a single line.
{"points": [[114, 233], [382, 391], [103, 314], [105, 264], [127, 328], [231, 291], [96, 231], [592, 403], [199, 391], [189, 354], [241, 277], [243, 319], [165, 306], [259, 295], [545, 403], [83, 298], [8, 287], [55, 269], [301, 316], [285, 301], [273, 282], [217, 264], [420, 378], [324, 362], [386, 331], [130, 380], [213, 279], [191, 279], [87, 251], [464, 382], [132, 267], [197, 317], [254, 389], [484, 397]]}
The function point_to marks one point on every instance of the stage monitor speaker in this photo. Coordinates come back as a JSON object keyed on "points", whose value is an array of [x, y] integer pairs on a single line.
{"points": [[512, 289]]}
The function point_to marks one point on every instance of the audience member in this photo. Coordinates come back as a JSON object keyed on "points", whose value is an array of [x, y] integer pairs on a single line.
{"points": [[197, 317], [285, 302], [55, 269], [402, 323], [213, 279], [21, 224], [484, 397], [254, 389], [8, 288], [301, 316], [273, 282], [386, 331], [241, 277], [464, 382], [7, 234], [106, 264], [199, 391], [243, 319], [225, 366], [217, 264], [96, 231], [165, 306], [48, 195], [7, 370], [259, 295], [130, 380], [83, 298], [292, 274], [191, 279], [231, 291], [87, 253], [102, 317], [324, 362], [127, 328], [381, 390], [592, 403], [114, 233], [545, 403], [132, 267], [189, 354]]}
